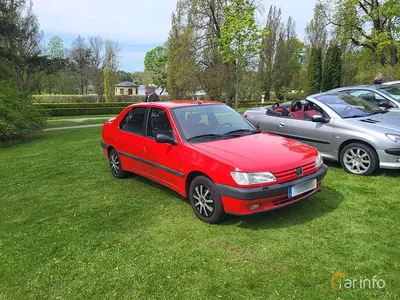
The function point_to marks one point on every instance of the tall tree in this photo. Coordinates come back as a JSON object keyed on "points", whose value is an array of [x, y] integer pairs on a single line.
{"points": [[240, 36], [54, 49], [332, 68], [268, 50], [97, 62], [155, 62], [110, 70], [314, 75], [81, 55], [316, 32]]}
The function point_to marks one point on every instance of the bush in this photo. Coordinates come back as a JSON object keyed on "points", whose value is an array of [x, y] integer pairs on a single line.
{"points": [[77, 111], [19, 118], [87, 99]]}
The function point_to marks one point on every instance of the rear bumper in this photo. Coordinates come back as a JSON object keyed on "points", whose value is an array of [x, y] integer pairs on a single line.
{"points": [[241, 201]]}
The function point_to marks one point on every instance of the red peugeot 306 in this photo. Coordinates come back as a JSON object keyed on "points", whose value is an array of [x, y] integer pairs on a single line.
{"points": [[209, 153]]}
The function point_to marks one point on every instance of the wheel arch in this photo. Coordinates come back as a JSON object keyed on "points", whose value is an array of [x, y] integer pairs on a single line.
{"points": [[355, 141], [190, 177]]}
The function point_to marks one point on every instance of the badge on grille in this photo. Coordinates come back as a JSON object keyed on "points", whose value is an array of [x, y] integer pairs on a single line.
{"points": [[299, 171]]}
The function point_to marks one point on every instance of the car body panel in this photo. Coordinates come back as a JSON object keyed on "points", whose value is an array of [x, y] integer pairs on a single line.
{"points": [[329, 138], [173, 164]]}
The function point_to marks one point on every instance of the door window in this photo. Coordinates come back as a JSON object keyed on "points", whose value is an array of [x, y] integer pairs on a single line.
{"points": [[133, 122], [159, 123]]}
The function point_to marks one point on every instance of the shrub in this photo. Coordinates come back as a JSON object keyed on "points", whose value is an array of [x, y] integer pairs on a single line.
{"points": [[76, 111], [87, 98], [81, 105], [19, 118]]}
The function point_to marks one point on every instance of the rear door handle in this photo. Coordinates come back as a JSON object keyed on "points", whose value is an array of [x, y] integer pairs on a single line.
{"points": [[281, 125]]}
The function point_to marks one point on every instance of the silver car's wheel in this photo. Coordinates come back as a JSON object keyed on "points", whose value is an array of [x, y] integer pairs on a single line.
{"points": [[359, 159]]}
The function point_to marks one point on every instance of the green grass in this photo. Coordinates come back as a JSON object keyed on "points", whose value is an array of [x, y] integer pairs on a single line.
{"points": [[57, 124], [68, 230]]}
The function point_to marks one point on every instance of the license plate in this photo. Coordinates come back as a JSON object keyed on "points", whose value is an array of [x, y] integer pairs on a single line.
{"points": [[302, 188]]}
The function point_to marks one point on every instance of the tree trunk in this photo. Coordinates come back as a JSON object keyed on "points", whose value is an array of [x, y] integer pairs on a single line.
{"points": [[237, 87], [228, 90]]}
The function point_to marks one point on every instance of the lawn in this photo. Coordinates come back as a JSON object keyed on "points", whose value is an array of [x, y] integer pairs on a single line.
{"points": [[68, 230]]}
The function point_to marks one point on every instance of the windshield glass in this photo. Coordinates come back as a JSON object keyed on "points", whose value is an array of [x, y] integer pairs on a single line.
{"points": [[392, 91], [348, 106], [202, 122]]}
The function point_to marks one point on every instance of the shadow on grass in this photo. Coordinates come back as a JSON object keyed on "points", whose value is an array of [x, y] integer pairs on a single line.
{"points": [[385, 172], [301, 212]]}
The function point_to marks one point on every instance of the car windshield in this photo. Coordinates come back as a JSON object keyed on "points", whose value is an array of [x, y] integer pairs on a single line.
{"points": [[392, 91], [209, 122], [348, 106]]}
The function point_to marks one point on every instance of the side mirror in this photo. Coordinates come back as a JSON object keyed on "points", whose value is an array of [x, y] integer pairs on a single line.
{"points": [[319, 119], [165, 139], [385, 104]]}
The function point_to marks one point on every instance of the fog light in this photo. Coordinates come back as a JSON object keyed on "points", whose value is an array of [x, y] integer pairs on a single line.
{"points": [[254, 206]]}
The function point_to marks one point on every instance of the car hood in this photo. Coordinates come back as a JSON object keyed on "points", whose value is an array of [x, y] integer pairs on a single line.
{"points": [[260, 152], [381, 122]]}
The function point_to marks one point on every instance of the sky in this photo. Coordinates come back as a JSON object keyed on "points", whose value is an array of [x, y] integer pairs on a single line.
{"points": [[138, 26]]}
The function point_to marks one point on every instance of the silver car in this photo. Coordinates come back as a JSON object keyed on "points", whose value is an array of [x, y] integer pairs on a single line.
{"points": [[385, 95], [343, 128]]}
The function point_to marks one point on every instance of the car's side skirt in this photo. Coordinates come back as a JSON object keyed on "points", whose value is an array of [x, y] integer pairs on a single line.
{"points": [[153, 164]]}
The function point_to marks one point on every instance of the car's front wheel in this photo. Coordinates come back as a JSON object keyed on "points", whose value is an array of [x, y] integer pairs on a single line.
{"points": [[359, 159], [116, 165], [206, 201]]}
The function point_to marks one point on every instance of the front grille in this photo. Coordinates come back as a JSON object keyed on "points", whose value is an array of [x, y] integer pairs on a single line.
{"points": [[289, 175]]}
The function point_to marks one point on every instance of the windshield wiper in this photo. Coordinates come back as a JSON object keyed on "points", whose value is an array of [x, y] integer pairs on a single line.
{"points": [[204, 136], [234, 132], [356, 116]]}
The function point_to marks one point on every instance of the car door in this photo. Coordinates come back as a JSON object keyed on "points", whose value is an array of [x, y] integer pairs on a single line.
{"points": [[318, 135], [130, 140], [163, 159]]}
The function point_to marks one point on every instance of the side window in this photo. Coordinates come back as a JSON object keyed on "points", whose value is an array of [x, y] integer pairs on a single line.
{"points": [[368, 95], [134, 121], [311, 109], [159, 123]]}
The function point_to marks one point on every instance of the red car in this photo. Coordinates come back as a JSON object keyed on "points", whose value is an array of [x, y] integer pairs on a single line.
{"points": [[209, 153]]}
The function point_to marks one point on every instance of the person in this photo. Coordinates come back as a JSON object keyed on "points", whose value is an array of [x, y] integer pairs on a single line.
{"points": [[151, 95], [378, 78]]}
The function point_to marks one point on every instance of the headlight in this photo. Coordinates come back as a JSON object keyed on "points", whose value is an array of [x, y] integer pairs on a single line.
{"points": [[394, 137], [319, 161], [252, 178]]}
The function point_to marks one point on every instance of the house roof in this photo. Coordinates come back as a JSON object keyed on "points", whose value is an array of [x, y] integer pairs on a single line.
{"points": [[126, 84]]}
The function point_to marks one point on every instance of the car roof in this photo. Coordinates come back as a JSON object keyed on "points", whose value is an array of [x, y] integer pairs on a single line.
{"points": [[177, 103]]}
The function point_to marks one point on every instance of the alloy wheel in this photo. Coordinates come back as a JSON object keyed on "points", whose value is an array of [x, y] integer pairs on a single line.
{"points": [[357, 161], [203, 201], [115, 164]]}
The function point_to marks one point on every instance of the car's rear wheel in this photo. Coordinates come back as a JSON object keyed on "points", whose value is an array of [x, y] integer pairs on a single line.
{"points": [[115, 165], [359, 159], [206, 201]]}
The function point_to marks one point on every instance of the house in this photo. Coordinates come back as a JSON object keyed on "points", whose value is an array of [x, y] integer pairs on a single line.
{"points": [[126, 88]]}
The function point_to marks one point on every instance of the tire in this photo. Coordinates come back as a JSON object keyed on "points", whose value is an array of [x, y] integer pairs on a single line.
{"points": [[206, 201], [359, 159], [115, 165]]}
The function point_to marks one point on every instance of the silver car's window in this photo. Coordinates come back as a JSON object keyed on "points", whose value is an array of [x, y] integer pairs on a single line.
{"points": [[392, 91], [348, 106]]}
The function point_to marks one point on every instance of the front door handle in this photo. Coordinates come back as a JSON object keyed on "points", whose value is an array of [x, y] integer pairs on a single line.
{"points": [[144, 150], [281, 125]]}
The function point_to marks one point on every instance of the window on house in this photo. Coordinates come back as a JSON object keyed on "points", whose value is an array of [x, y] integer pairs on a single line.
{"points": [[130, 92], [121, 91]]}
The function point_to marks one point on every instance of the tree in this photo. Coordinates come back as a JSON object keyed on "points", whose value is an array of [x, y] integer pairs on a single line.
{"points": [[240, 36], [372, 25], [97, 62], [332, 68], [81, 55], [268, 51], [316, 32], [54, 50], [155, 63], [314, 71], [110, 70]]}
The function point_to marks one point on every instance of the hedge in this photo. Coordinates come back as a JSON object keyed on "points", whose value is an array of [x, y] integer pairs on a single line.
{"points": [[75, 111], [81, 105], [87, 98]]}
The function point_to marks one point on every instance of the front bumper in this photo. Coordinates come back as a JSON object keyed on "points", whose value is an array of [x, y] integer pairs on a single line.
{"points": [[389, 158], [241, 201]]}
